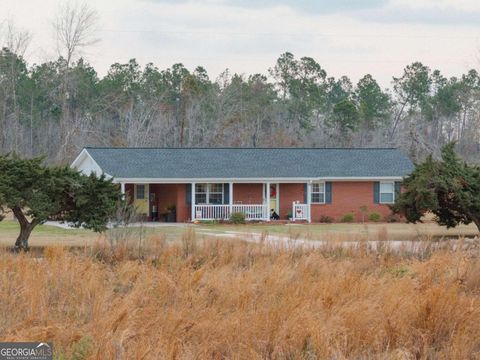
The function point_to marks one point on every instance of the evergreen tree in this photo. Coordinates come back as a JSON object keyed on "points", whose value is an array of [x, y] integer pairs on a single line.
{"points": [[448, 188], [34, 193]]}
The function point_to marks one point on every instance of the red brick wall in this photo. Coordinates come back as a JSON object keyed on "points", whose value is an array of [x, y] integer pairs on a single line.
{"points": [[349, 197], [129, 192], [165, 194], [346, 197], [247, 193], [183, 209], [288, 194]]}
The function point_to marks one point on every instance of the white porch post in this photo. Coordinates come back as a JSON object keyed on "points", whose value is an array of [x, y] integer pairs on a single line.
{"points": [[309, 201], [268, 201], [122, 189], [193, 201], [230, 198]]}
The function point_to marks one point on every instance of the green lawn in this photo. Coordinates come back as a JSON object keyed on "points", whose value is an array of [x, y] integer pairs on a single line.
{"points": [[343, 231], [44, 235], [52, 235], [8, 226]]}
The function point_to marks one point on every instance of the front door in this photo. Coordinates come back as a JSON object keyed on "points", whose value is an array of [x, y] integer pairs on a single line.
{"points": [[274, 199], [141, 198]]}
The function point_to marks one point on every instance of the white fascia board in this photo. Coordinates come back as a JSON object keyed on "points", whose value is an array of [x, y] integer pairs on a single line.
{"points": [[362, 178], [250, 180], [78, 159]]}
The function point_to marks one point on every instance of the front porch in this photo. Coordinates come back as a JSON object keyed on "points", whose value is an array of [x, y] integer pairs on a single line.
{"points": [[254, 212], [218, 201], [251, 212]]}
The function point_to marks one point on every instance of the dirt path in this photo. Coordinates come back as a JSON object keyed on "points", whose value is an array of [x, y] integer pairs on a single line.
{"points": [[396, 245]]}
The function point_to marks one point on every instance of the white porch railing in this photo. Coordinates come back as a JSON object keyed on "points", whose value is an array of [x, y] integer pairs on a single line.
{"points": [[252, 212], [300, 211], [223, 212]]}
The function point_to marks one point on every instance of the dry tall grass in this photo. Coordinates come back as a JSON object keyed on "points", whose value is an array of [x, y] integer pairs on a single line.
{"points": [[233, 300]]}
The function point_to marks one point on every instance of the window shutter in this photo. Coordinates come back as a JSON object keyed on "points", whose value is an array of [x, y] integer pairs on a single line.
{"points": [[188, 194], [376, 192], [226, 193], [398, 186], [305, 193], [328, 192]]}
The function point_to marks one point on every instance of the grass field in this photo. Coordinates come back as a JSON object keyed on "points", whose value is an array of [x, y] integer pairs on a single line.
{"points": [[215, 299], [45, 235], [339, 231]]}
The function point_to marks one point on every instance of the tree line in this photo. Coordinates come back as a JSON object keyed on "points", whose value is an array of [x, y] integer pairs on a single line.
{"points": [[57, 107]]}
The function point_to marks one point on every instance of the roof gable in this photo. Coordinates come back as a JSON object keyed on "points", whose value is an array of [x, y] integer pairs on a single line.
{"points": [[87, 164]]}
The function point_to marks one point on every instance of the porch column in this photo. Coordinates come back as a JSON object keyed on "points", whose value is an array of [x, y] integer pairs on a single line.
{"points": [[309, 201], [122, 189], [268, 201], [193, 201], [230, 198]]}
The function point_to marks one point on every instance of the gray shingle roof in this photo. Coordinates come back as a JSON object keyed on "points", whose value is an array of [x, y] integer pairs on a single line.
{"points": [[238, 163]]}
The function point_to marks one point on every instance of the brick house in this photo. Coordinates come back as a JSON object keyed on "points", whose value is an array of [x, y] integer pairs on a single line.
{"points": [[297, 183]]}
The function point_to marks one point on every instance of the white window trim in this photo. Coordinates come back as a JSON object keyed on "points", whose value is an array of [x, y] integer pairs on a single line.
{"points": [[324, 193], [207, 193], [380, 192]]}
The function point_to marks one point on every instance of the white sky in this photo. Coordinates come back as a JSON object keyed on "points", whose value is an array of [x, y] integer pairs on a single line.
{"points": [[347, 37]]}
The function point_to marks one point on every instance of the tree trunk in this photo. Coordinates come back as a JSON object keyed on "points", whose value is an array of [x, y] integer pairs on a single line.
{"points": [[22, 240], [397, 118], [26, 228]]}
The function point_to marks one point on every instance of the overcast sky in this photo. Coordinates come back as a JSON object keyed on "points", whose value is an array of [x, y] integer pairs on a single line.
{"points": [[347, 37]]}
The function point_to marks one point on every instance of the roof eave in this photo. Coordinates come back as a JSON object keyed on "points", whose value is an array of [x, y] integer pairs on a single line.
{"points": [[254, 179]]}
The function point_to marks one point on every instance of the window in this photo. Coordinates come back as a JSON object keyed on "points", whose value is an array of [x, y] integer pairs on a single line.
{"points": [[318, 193], [140, 192], [208, 193], [215, 194], [387, 192], [201, 191]]}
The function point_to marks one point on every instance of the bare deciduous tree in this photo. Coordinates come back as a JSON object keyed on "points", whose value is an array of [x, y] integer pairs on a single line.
{"points": [[15, 39], [75, 27]]}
